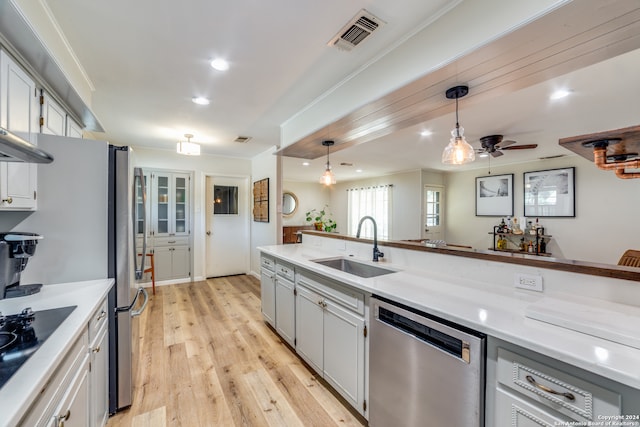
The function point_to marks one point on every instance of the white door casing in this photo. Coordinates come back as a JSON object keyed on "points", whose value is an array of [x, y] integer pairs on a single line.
{"points": [[227, 235]]}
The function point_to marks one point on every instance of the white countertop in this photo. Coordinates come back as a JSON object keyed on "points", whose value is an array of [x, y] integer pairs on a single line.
{"points": [[497, 311], [22, 388]]}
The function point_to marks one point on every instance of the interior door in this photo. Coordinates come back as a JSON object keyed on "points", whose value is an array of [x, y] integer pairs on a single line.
{"points": [[433, 214], [227, 226]]}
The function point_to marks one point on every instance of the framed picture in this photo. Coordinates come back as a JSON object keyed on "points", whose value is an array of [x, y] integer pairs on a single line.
{"points": [[494, 195], [261, 200], [550, 193]]}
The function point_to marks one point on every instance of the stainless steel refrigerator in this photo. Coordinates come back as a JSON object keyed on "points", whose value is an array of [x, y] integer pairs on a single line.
{"points": [[86, 212]]}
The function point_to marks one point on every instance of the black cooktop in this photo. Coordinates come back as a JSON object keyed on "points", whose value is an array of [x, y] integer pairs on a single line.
{"points": [[22, 334]]}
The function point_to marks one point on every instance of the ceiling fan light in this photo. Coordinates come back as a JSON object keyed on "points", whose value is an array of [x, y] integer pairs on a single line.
{"points": [[458, 151]]}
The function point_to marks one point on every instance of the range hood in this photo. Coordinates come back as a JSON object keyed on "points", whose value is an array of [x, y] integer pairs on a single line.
{"points": [[15, 149]]}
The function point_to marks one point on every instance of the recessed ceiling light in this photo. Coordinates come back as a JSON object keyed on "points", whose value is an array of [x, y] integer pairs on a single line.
{"points": [[559, 94], [426, 132], [220, 64], [200, 100], [358, 170], [305, 163]]}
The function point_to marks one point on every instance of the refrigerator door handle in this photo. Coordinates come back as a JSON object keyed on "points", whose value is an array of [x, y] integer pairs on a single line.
{"points": [[135, 313], [139, 175]]}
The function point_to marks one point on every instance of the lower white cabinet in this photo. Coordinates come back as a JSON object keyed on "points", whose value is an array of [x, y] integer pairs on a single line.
{"points": [[331, 337], [268, 295], [172, 262], [77, 393], [285, 302]]}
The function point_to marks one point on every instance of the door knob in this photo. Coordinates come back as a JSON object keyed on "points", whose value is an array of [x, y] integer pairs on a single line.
{"points": [[208, 233], [8, 200]]}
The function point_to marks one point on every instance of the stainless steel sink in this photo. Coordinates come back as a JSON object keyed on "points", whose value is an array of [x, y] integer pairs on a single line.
{"points": [[353, 267]]}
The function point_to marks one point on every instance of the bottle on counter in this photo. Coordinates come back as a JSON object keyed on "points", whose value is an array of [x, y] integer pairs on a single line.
{"points": [[542, 246], [531, 248], [523, 245], [501, 244]]}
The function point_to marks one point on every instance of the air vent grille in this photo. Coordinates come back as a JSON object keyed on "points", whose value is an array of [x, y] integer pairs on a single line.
{"points": [[242, 139], [355, 31]]}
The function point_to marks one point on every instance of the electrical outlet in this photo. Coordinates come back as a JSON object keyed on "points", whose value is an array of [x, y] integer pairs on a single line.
{"points": [[532, 282]]}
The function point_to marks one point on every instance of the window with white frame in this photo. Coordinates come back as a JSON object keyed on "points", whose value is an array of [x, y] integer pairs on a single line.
{"points": [[374, 201]]}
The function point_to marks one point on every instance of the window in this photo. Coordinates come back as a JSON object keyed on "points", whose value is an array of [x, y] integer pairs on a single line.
{"points": [[225, 200], [432, 208], [372, 201]]}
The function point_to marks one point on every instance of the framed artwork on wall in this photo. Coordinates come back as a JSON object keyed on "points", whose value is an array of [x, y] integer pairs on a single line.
{"points": [[261, 200], [494, 195], [550, 193]]}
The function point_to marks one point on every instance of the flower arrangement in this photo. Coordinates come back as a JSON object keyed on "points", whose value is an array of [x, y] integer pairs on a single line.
{"points": [[321, 219]]}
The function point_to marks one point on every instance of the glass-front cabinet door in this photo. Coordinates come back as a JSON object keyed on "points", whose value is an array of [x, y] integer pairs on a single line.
{"points": [[170, 204], [140, 206]]}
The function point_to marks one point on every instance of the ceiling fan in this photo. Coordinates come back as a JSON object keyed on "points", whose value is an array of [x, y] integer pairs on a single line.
{"points": [[494, 145]]}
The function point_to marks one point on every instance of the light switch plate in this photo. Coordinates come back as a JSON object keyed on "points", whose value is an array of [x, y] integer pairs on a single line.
{"points": [[531, 282]]}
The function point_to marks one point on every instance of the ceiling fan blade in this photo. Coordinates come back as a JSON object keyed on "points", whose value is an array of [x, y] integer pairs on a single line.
{"points": [[506, 143], [496, 153], [521, 147]]}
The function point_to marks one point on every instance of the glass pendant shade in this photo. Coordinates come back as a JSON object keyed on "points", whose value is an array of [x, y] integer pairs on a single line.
{"points": [[458, 151], [328, 178]]}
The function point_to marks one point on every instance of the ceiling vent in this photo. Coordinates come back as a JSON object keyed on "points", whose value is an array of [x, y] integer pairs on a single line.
{"points": [[357, 30], [242, 139]]}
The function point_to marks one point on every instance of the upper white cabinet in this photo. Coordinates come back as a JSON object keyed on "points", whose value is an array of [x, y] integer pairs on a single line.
{"points": [[170, 204], [54, 120], [19, 110]]}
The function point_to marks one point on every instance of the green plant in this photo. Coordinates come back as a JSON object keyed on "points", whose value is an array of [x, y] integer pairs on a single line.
{"points": [[322, 219]]}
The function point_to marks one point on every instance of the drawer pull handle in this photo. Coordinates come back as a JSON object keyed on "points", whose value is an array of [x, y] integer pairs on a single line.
{"points": [[63, 418], [532, 381], [101, 315], [96, 349]]}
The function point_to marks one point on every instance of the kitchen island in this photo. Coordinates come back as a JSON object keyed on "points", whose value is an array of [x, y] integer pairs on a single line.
{"points": [[26, 392], [579, 321]]}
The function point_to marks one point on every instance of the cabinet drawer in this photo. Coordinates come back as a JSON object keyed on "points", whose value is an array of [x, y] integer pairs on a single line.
{"points": [[346, 296], [513, 411], [268, 262], [285, 270], [569, 395], [171, 241], [97, 320]]}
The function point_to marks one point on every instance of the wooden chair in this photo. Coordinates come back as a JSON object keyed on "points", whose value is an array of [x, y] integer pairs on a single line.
{"points": [[151, 269], [631, 258]]}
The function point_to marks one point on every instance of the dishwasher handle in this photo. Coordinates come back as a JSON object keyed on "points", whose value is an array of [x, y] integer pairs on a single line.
{"points": [[427, 334]]}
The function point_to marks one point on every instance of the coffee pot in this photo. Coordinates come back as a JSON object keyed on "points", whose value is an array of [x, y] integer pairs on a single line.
{"points": [[15, 250]]}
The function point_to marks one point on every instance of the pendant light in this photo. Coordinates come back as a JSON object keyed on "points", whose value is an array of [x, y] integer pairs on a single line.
{"points": [[458, 151], [187, 147], [327, 177]]}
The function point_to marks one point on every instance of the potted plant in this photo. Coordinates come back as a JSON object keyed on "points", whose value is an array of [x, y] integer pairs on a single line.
{"points": [[321, 219]]}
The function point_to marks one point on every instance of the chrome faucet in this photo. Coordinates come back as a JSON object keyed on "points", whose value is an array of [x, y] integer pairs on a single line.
{"points": [[376, 253]]}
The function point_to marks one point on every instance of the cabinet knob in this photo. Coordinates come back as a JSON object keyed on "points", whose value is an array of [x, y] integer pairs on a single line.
{"points": [[101, 315], [8, 200]]}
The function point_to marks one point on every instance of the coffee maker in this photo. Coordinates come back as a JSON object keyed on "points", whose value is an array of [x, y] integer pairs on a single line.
{"points": [[15, 250]]}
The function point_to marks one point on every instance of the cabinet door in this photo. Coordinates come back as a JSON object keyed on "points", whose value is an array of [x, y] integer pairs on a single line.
{"points": [[180, 262], [180, 205], [285, 310], [309, 327], [162, 263], [99, 380], [268, 296], [74, 409], [344, 353], [512, 411], [160, 211], [142, 210], [53, 117], [18, 114], [74, 130]]}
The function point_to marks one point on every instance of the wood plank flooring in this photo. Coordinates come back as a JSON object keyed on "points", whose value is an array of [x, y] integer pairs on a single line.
{"points": [[208, 359]]}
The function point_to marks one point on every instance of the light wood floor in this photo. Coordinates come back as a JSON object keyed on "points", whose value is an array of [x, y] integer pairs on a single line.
{"points": [[208, 359]]}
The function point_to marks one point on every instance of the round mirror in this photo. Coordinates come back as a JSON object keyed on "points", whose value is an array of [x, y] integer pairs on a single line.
{"points": [[289, 203]]}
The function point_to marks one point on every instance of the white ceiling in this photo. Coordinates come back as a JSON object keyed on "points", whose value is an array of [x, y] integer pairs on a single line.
{"points": [[147, 59]]}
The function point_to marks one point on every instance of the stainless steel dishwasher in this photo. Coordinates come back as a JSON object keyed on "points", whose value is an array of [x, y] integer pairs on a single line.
{"points": [[423, 371]]}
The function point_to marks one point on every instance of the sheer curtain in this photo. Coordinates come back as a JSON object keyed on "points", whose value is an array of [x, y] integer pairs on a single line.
{"points": [[374, 201]]}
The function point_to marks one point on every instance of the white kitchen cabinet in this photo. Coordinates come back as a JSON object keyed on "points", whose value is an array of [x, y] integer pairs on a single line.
{"points": [[170, 204], [53, 117], [310, 327], [99, 367], [268, 290], [73, 411], [172, 262], [74, 130], [330, 334], [285, 302], [19, 112]]}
